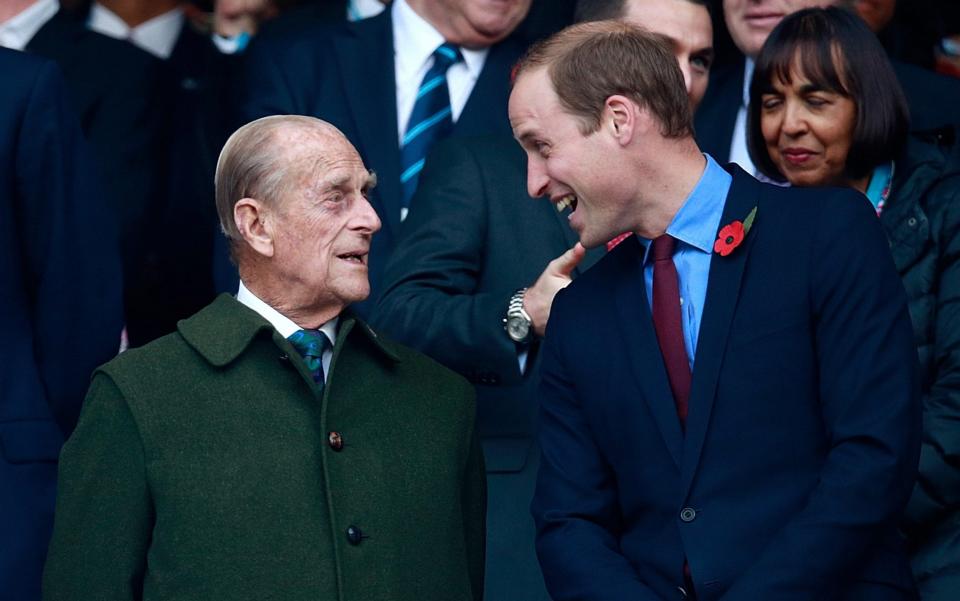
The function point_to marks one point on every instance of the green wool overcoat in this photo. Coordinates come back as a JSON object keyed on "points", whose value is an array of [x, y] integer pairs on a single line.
{"points": [[206, 466]]}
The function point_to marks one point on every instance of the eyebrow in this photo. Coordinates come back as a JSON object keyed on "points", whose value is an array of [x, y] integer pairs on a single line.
{"points": [[808, 88]]}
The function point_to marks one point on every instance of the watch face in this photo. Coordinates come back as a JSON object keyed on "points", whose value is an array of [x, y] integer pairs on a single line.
{"points": [[518, 329]]}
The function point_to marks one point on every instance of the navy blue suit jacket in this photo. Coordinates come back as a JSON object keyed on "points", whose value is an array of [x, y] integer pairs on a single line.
{"points": [[803, 434], [345, 75], [60, 302]]}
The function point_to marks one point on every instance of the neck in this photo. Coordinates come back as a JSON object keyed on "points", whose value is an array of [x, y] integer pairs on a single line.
{"points": [[667, 184], [138, 12], [11, 8], [305, 310]]}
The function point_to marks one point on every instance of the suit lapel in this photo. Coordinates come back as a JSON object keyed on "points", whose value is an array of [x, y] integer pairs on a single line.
{"points": [[723, 287], [640, 342], [486, 109], [717, 115], [364, 53]]}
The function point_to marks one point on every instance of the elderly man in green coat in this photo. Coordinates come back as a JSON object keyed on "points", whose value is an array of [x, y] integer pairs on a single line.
{"points": [[274, 446]]}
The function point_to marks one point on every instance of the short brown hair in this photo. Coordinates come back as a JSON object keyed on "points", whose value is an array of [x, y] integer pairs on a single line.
{"points": [[589, 62]]}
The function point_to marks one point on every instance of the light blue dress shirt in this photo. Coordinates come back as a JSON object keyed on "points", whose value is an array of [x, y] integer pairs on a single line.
{"points": [[695, 227]]}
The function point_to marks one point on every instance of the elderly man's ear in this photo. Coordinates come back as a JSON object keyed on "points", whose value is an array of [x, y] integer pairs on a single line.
{"points": [[255, 223]]}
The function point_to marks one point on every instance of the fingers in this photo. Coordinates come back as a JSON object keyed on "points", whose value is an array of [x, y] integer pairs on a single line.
{"points": [[568, 261]]}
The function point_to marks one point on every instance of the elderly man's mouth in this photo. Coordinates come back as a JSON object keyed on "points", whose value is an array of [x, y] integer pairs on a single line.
{"points": [[359, 258]]}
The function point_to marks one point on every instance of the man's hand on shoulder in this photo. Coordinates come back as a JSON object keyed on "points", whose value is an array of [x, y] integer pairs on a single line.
{"points": [[539, 297]]}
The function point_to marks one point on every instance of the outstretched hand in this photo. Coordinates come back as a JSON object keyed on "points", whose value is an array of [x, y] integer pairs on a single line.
{"points": [[539, 297]]}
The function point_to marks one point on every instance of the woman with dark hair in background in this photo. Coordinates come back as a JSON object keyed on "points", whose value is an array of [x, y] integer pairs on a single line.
{"points": [[826, 110]]}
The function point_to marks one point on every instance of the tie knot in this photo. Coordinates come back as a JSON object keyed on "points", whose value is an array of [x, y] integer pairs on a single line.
{"points": [[445, 55], [310, 343], [663, 247]]}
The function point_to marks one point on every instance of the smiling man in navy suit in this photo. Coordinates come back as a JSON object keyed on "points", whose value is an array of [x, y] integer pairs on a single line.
{"points": [[729, 403]]}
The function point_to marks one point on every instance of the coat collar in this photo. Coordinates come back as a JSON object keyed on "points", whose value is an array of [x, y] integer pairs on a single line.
{"points": [[224, 329]]}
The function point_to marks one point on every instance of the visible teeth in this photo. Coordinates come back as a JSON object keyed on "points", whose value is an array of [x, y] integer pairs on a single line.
{"points": [[566, 201]]}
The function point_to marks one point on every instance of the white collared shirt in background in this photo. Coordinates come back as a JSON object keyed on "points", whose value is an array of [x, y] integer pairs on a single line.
{"points": [[157, 36], [414, 42], [364, 9], [285, 326], [17, 31], [738, 145]]}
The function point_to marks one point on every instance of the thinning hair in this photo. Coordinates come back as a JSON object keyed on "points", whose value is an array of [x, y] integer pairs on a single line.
{"points": [[253, 164], [589, 62]]}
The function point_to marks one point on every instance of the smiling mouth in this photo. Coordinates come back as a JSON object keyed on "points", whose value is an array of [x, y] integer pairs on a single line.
{"points": [[569, 200]]}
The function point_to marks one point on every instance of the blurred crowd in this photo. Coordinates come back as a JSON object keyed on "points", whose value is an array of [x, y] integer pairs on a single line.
{"points": [[112, 235]]}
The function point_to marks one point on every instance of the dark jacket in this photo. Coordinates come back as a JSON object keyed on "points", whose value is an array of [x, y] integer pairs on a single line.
{"points": [[204, 467], [60, 300], [922, 221]]}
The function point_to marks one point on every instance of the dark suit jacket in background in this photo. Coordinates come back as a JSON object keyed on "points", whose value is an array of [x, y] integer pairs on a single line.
{"points": [[60, 301], [198, 80], [474, 237], [803, 433], [117, 92], [933, 100], [345, 75]]}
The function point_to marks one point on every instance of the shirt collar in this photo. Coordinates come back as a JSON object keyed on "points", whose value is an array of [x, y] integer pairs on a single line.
{"points": [[697, 221], [419, 39], [281, 322], [17, 31], [157, 36]]}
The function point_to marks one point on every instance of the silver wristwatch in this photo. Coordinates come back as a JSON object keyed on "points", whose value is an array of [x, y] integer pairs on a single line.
{"points": [[517, 323]]}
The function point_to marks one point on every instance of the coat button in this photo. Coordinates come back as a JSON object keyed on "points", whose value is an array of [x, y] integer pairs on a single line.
{"points": [[688, 514], [335, 441], [354, 535]]}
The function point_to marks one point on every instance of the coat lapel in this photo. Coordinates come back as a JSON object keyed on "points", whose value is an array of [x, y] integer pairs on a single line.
{"points": [[723, 288], [365, 55], [640, 342], [486, 109]]}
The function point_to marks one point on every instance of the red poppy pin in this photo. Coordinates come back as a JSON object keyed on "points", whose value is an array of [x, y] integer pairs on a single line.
{"points": [[732, 234]]}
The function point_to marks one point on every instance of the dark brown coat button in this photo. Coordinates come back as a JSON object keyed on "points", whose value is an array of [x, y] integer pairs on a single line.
{"points": [[354, 535], [335, 441]]}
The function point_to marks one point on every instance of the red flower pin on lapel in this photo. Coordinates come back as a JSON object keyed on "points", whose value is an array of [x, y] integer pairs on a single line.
{"points": [[732, 234]]}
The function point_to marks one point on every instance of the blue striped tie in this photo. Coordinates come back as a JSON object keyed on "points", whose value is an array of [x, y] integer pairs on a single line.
{"points": [[430, 119]]}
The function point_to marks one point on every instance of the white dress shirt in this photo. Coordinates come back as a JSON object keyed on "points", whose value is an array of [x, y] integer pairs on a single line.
{"points": [[414, 42], [738, 145], [285, 326], [157, 36], [17, 31], [364, 9]]}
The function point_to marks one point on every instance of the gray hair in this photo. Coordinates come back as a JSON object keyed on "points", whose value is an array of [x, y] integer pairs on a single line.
{"points": [[253, 165]]}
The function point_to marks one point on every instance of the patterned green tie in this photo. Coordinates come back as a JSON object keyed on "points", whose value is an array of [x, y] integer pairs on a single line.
{"points": [[311, 344]]}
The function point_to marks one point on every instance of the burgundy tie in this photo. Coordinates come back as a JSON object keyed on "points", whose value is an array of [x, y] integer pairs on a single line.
{"points": [[668, 323]]}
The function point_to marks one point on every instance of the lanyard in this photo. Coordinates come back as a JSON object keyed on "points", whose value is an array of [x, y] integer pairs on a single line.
{"points": [[879, 189]]}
